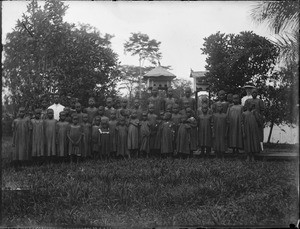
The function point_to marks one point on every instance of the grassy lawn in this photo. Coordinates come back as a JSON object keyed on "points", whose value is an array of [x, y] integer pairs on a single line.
{"points": [[152, 192]]}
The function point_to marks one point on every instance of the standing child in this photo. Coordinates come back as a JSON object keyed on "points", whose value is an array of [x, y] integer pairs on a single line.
{"points": [[188, 97], [234, 122], [153, 128], [122, 138], [68, 114], [137, 109], [176, 117], [37, 136], [193, 131], [156, 101], [157, 144], [251, 131], [87, 136], [109, 107], [219, 134], [112, 129], [101, 113], [44, 109], [62, 138], [50, 135], [21, 143], [79, 112], [145, 134], [167, 136], [104, 139], [221, 99], [230, 99], [75, 134], [133, 134], [169, 101], [91, 110], [124, 111], [204, 130], [95, 137], [183, 138]]}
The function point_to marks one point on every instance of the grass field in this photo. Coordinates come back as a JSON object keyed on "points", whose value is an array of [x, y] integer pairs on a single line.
{"points": [[152, 192]]}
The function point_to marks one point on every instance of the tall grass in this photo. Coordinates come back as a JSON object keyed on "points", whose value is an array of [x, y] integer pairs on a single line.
{"points": [[151, 192]]}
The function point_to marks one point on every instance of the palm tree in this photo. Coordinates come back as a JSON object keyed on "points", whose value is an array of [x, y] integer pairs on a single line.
{"points": [[282, 18]]}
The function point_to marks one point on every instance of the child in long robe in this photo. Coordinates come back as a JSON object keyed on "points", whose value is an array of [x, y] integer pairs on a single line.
{"points": [[167, 136], [91, 110], [104, 139], [193, 131], [21, 143], [183, 138], [112, 129], [170, 100], [157, 143], [137, 109], [44, 109], [122, 138], [62, 138], [109, 107], [75, 135], [145, 134], [204, 131], [187, 97], [37, 128], [133, 134], [176, 117], [68, 114], [79, 112], [50, 136], [156, 101], [101, 113], [219, 134], [221, 99], [95, 137], [87, 136], [124, 111], [153, 128], [251, 131], [234, 122]]}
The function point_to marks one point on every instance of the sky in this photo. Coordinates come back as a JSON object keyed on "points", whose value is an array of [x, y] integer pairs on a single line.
{"points": [[179, 26]]}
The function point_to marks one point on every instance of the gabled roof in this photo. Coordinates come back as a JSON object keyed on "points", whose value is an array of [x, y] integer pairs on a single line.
{"points": [[159, 71], [196, 74]]}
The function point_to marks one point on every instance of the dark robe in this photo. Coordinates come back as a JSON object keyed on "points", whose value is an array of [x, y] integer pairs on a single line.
{"points": [[62, 138], [183, 139], [133, 134], [167, 137], [104, 142], [234, 122], [204, 130], [75, 132], [50, 137], [38, 141], [92, 113], [145, 134], [122, 135], [21, 139], [112, 130], [87, 139], [219, 132], [251, 131]]}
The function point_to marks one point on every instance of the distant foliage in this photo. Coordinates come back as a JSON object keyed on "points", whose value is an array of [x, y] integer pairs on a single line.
{"points": [[236, 59], [44, 54]]}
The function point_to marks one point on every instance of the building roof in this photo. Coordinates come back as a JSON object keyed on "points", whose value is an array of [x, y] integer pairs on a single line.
{"points": [[196, 74], [159, 71]]}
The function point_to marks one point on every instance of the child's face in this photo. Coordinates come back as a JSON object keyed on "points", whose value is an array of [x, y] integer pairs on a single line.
{"points": [[85, 118], [188, 93], [21, 113], [133, 114], [97, 121], [222, 95], [122, 122], [113, 115], [170, 92], [44, 104], [235, 100], [62, 117], [75, 120], [169, 109], [145, 117], [229, 97], [101, 110], [105, 125], [154, 92], [175, 110], [67, 110], [37, 115], [254, 94], [78, 108], [219, 108], [109, 103], [91, 102], [186, 104], [188, 113], [124, 103], [151, 109], [56, 99], [204, 110], [50, 114]]}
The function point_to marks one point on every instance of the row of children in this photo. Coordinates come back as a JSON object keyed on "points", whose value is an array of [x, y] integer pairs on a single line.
{"points": [[104, 133]]}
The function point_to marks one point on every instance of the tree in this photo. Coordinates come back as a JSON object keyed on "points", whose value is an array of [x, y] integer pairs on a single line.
{"points": [[234, 60], [141, 45], [45, 55]]}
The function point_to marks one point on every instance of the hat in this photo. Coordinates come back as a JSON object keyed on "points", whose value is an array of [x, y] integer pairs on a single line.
{"points": [[249, 86]]}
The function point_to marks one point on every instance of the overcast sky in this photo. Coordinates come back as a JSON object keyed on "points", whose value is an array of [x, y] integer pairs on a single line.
{"points": [[179, 26]]}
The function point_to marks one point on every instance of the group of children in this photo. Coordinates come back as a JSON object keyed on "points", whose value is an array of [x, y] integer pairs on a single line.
{"points": [[105, 132]]}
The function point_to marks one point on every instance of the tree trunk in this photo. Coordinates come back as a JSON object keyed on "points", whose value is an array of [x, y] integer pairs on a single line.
{"points": [[270, 133]]}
